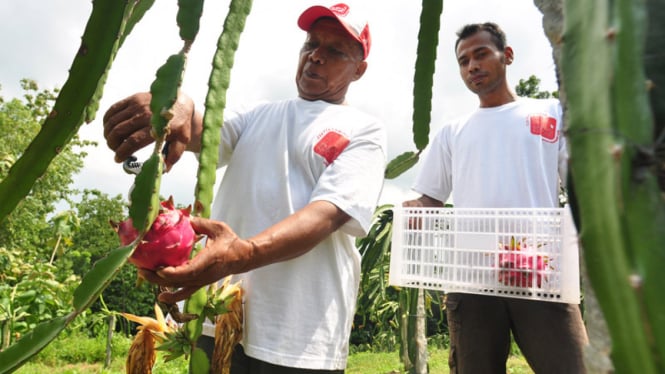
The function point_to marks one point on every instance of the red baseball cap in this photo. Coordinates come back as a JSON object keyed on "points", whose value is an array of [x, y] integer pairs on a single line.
{"points": [[356, 27]]}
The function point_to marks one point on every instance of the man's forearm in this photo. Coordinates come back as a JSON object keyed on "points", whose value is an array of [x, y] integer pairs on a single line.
{"points": [[196, 132], [297, 234]]}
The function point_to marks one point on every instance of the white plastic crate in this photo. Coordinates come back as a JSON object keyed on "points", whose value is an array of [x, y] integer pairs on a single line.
{"points": [[520, 253]]}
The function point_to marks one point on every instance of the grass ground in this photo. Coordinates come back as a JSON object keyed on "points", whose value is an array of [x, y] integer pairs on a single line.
{"points": [[78, 355], [388, 363]]}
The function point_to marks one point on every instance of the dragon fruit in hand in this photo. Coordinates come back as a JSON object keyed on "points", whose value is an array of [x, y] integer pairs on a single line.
{"points": [[169, 241]]}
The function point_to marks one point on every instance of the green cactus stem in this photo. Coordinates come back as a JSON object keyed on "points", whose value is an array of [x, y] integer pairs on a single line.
{"points": [[213, 119], [599, 59], [423, 80], [144, 197], [188, 19]]}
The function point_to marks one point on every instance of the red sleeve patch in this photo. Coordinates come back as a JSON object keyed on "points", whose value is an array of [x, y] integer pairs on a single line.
{"points": [[330, 146]]}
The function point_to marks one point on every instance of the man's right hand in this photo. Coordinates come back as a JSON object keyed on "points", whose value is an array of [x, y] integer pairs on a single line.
{"points": [[415, 223], [224, 254], [127, 127]]}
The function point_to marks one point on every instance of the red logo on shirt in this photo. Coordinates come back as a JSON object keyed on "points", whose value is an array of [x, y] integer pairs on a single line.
{"points": [[545, 126], [331, 145]]}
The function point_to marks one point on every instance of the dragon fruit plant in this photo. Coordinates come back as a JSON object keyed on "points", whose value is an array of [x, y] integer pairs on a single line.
{"points": [[169, 241], [518, 267]]}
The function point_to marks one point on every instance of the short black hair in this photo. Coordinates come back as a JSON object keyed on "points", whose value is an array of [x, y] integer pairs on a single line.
{"points": [[498, 36]]}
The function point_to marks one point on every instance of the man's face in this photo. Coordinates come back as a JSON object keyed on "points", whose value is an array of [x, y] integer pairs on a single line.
{"points": [[330, 60], [482, 65]]}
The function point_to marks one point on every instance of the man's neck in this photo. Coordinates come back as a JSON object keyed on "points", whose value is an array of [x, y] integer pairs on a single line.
{"points": [[497, 99]]}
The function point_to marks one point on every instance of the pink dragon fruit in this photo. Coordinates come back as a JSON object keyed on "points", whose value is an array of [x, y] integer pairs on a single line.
{"points": [[517, 268], [169, 241]]}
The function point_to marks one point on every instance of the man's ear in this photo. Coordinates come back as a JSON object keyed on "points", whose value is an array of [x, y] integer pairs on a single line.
{"points": [[509, 55], [360, 70]]}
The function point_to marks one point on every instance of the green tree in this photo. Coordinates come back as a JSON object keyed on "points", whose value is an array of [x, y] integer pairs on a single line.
{"points": [[45, 253], [20, 120], [95, 236], [531, 88], [32, 288]]}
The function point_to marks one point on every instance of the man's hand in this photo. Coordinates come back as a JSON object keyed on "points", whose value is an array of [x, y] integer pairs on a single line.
{"points": [[422, 202], [127, 127], [224, 254], [415, 223]]}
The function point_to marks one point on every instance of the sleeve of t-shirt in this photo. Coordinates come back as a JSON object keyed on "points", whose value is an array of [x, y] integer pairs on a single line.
{"points": [[353, 182], [231, 129], [435, 176], [235, 121]]}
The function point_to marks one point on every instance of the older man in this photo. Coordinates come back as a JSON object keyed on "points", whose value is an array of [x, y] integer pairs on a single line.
{"points": [[303, 178]]}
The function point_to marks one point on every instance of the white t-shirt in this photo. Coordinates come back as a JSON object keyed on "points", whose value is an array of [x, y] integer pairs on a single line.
{"points": [[510, 156], [280, 157]]}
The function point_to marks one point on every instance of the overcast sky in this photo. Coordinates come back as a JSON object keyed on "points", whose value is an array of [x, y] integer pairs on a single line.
{"points": [[39, 39]]}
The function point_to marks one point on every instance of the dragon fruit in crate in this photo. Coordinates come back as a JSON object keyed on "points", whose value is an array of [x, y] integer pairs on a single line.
{"points": [[517, 266], [169, 241]]}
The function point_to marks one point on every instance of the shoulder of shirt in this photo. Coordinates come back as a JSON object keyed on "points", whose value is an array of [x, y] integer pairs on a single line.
{"points": [[255, 107], [457, 121], [350, 109], [547, 102], [285, 103], [246, 107]]}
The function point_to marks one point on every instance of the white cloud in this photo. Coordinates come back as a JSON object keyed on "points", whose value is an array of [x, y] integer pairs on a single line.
{"points": [[40, 38]]}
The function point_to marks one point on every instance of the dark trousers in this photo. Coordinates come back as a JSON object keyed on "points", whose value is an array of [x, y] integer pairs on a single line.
{"points": [[550, 335], [243, 364]]}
